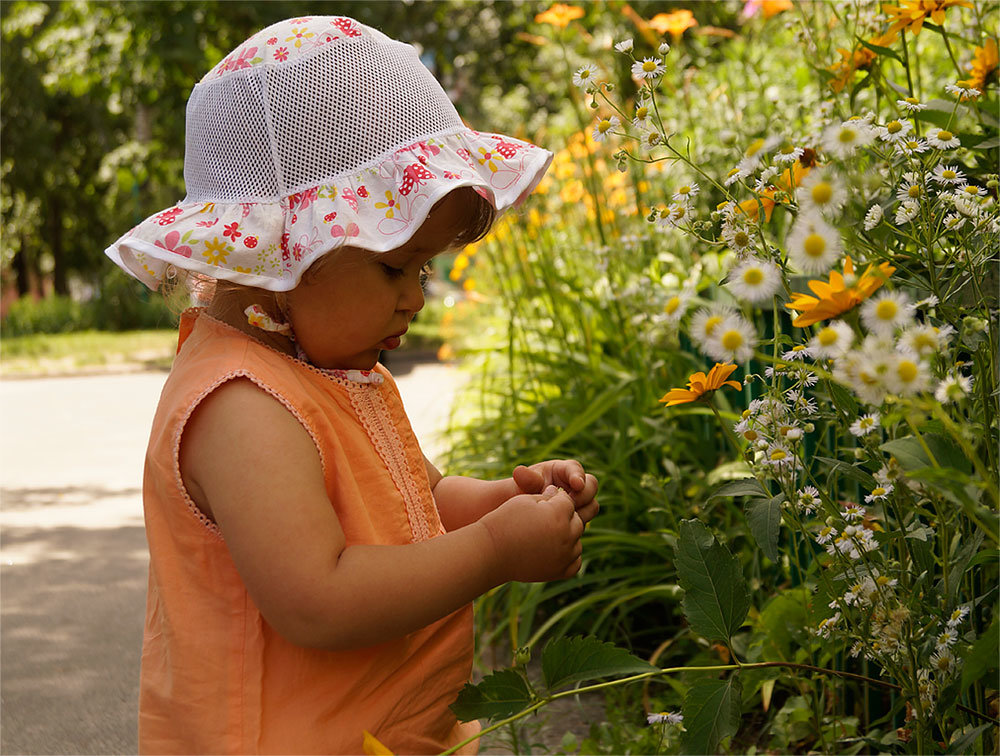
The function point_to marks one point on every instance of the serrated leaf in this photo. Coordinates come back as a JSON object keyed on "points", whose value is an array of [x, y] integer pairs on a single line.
{"points": [[764, 517], [567, 661], [500, 694], [911, 455], [741, 487], [716, 600], [711, 712]]}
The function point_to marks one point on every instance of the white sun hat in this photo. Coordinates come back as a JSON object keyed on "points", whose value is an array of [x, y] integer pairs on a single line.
{"points": [[315, 133]]}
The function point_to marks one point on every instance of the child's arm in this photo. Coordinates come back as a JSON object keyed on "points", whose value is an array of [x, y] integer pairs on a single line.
{"points": [[462, 501], [255, 471]]}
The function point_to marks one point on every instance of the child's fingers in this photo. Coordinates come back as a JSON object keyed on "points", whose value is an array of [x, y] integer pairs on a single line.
{"points": [[528, 480], [571, 473]]}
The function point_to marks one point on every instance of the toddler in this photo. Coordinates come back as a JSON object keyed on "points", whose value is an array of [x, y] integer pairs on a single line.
{"points": [[311, 572]]}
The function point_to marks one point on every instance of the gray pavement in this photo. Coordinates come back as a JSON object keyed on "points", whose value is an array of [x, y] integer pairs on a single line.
{"points": [[73, 553]]}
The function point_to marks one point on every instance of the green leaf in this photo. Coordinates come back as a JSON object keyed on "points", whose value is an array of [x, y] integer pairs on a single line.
{"points": [[911, 455], [848, 471], [881, 50], [567, 661], [741, 487], [500, 694], [987, 143], [764, 516], [982, 657], [716, 600], [594, 410], [711, 712], [963, 743]]}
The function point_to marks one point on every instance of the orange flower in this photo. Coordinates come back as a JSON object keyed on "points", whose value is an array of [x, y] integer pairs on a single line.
{"points": [[559, 15], [774, 7], [372, 747], [836, 296], [984, 62], [910, 15], [787, 182], [674, 22], [701, 387], [860, 59]]}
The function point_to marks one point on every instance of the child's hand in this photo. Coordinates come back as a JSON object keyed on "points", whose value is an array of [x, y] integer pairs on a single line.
{"points": [[567, 474], [537, 536]]}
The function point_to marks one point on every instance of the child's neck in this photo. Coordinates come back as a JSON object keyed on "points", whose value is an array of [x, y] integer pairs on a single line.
{"points": [[230, 309]]}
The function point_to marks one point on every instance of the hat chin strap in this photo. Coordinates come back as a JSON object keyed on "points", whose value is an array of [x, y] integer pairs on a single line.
{"points": [[260, 319]]}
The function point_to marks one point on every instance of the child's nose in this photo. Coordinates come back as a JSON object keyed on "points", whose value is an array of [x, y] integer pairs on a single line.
{"points": [[412, 299]]}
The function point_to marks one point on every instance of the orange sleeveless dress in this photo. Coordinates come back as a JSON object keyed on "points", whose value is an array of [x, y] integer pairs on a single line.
{"points": [[216, 678]]}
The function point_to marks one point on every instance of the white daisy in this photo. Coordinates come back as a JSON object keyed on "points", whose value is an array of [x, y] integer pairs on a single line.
{"points": [[924, 340], [821, 192], [832, 340], [798, 353], [957, 616], [826, 535], [865, 424], [788, 153], [873, 217], [953, 222], [911, 147], [911, 105], [650, 140], [754, 280], [886, 312], [962, 93], [665, 717], [894, 131], [863, 372], [942, 139], [586, 76], [879, 493], [686, 191], [734, 339], [813, 245], [907, 211], [756, 152], [676, 215], [779, 457], [948, 175], [908, 376], [641, 119], [943, 662], [841, 140], [663, 49], [604, 127], [705, 321], [676, 305], [971, 190], [736, 174], [648, 68], [953, 388], [624, 46], [911, 188], [738, 231], [808, 500], [853, 513], [946, 639]]}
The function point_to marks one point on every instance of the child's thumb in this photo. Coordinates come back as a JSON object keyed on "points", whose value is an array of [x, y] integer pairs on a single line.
{"points": [[528, 480]]}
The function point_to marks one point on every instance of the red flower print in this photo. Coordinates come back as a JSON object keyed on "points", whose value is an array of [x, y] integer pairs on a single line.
{"points": [[284, 246], [347, 27], [352, 230], [170, 244], [168, 216], [208, 224], [505, 148], [243, 61], [301, 20], [303, 199], [247, 207], [348, 195], [328, 218], [232, 231], [412, 176], [272, 41], [250, 242], [362, 191], [297, 251], [281, 54], [295, 217]]}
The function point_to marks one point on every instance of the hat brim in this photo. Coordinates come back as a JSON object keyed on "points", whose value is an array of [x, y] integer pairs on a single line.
{"points": [[377, 208]]}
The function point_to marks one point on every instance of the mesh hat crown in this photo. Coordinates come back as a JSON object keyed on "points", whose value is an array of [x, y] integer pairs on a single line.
{"points": [[314, 133]]}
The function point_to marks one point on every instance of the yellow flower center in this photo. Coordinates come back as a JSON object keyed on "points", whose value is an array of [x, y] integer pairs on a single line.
{"points": [[672, 304], [604, 125], [787, 149], [684, 189], [912, 144], [886, 309], [711, 324], [733, 172], [799, 348], [970, 189], [648, 66], [750, 434], [741, 238], [822, 193], [732, 340], [679, 211], [883, 580], [641, 113], [828, 336], [907, 371], [878, 491], [948, 174], [894, 127], [753, 276], [778, 454], [914, 191], [814, 245], [923, 341], [754, 148], [912, 100], [584, 73], [846, 136], [944, 135]]}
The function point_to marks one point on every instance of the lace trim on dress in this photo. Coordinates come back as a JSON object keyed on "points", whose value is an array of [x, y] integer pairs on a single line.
{"points": [[373, 412]]}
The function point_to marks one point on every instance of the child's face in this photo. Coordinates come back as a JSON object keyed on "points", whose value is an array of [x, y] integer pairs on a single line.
{"points": [[359, 303]]}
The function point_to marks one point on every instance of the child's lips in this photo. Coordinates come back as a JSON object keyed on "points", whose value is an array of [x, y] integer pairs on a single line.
{"points": [[393, 342]]}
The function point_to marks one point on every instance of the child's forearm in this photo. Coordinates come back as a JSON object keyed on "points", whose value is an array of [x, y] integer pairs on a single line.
{"points": [[463, 501], [378, 593]]}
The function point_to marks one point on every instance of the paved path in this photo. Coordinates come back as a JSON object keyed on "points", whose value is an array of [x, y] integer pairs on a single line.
{"points": [[73, 553]]}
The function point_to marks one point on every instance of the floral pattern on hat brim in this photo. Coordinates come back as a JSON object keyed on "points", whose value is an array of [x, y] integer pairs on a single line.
{"points": [[288, 40], [271, 244]]}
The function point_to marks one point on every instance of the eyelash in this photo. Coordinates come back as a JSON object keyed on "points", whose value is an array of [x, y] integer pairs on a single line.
{"points": [[394, 273]]}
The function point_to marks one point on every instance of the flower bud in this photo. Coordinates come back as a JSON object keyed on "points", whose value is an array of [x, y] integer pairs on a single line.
{"points": [[809, 427], [859, 453], [522, 656]]}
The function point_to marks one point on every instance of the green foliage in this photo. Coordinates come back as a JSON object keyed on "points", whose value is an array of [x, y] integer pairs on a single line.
{"points": [[499, 695], [711, 713], [568, 661]]}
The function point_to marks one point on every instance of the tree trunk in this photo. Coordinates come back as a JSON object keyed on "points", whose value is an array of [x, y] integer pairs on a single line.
{"points": [[60, 280], [20, 265]]}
